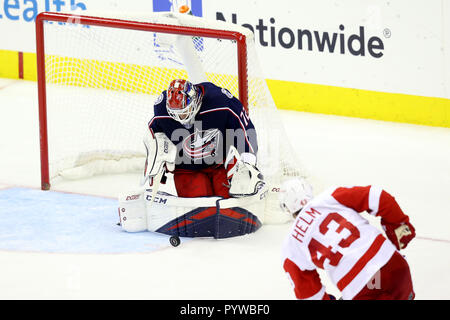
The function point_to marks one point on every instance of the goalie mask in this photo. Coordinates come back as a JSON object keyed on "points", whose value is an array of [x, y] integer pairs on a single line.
{"points": [[183, 101], [294, 195]]}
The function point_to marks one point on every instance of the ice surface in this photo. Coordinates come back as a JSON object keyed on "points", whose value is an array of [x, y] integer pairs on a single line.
{"points": [[61, 222], [411, 162]]}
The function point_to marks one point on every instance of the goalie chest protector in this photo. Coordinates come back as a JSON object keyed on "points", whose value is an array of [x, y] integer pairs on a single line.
{"points": [[205, 143]]}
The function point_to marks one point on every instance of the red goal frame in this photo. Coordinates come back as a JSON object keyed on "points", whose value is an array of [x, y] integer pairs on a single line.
{"points": [[122, 24]]}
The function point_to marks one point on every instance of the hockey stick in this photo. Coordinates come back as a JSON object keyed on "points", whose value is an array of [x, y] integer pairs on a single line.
{"points": [[173, 240], [156, 183]]}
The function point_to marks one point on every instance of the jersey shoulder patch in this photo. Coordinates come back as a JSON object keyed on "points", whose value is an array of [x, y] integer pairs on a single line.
{"points": [[159, 107], [159, 99]]}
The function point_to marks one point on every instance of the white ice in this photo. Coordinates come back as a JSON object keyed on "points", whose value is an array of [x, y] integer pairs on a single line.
{"points": [[411, 162]]}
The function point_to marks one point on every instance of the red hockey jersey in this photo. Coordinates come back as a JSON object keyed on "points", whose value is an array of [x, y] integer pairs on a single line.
{"points": [[329, 233]]}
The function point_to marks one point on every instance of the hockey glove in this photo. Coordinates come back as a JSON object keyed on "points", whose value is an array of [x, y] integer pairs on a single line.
{"points": [[400, 234], [161, 154], [243, 177], [234, 159]]}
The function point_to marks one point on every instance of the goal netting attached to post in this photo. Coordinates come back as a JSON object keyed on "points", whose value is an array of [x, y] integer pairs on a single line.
{"points": [[98, 78]]}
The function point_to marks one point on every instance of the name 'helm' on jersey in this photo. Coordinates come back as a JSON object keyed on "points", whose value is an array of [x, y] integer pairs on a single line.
{"points": [[183, 101], [294, 195]]}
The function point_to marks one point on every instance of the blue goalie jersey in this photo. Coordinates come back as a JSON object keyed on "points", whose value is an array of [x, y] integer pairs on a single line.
{"points": [[221, 122]]}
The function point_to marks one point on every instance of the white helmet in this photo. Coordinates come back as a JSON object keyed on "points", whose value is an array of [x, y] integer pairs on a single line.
{"points": [[294, 195]]}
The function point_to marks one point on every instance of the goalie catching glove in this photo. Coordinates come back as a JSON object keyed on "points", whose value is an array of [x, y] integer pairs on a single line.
{"points": [[243, 176], [161, 154]]}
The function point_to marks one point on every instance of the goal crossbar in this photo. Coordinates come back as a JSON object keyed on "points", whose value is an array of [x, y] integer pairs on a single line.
{"points": [[121, 24]]}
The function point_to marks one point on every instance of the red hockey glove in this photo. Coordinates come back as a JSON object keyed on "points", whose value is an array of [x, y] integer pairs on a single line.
{"points": [[400, 234]]}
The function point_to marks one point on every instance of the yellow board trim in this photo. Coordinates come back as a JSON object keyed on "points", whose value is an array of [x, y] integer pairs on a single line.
{"points": [[296, 96], [119, 76], [359, 103], [29, 66], [9, 64]]}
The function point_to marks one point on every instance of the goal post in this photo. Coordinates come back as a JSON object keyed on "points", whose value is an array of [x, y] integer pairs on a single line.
{"points": [[122, 24]]}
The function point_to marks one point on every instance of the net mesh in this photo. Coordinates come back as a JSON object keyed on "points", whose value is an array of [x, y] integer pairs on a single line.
{"points": [[101, 84]]}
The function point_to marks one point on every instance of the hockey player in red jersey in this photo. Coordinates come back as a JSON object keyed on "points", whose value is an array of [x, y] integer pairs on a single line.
{"points": [[199, 119], [330, 234]]}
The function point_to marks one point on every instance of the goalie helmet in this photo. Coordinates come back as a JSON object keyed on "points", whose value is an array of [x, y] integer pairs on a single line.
{"points": [[294, 195], [183, 101]]}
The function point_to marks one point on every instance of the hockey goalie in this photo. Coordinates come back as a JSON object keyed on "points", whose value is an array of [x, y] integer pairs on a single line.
{"points": [[201, 135]]}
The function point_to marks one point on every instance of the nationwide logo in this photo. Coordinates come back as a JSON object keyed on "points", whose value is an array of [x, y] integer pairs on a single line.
{"points": [[337, 41]]}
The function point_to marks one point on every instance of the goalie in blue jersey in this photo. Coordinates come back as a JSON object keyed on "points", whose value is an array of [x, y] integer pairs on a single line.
{"points": [[211, 131], [202, 135]]}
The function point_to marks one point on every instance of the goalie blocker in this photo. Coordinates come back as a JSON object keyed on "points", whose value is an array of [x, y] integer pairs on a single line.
{"points": [[191, 217]]}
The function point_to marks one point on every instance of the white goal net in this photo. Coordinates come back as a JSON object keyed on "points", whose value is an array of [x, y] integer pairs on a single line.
{"points": [[101, 82]]}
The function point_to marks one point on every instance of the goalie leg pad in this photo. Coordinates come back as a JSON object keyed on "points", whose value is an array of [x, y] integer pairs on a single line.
{"points": [[212, 222], [132, 211], [204, 217]]}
